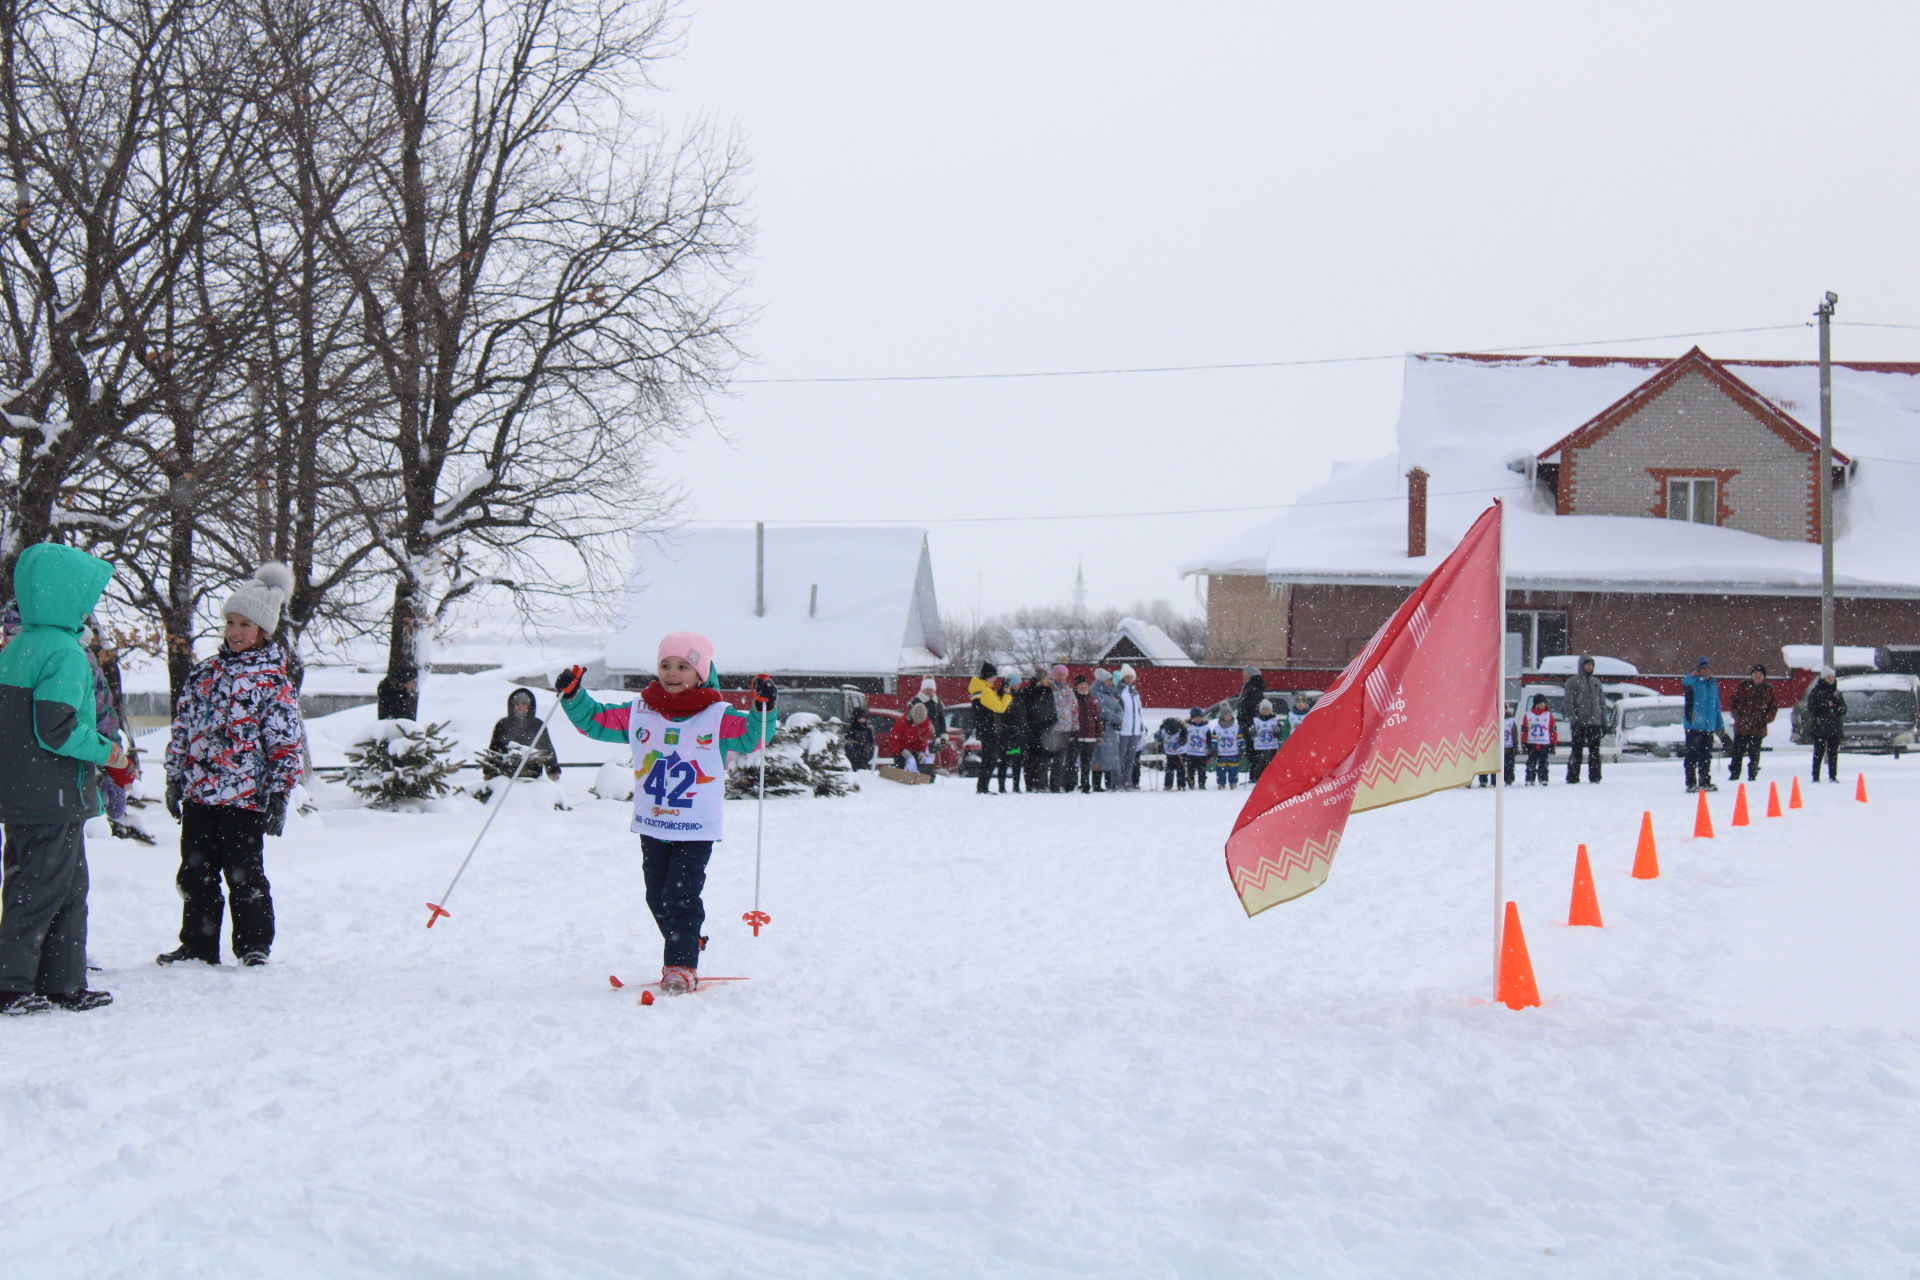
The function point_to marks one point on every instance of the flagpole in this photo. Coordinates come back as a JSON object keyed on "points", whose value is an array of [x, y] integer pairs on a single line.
{"points": [[1500, 781]]}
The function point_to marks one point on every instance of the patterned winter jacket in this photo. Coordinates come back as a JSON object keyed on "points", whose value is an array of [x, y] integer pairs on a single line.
{"points": [[237, 734]]}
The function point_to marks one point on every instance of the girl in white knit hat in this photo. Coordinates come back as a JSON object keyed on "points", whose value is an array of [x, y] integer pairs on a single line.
{"points": [[232, 761]]}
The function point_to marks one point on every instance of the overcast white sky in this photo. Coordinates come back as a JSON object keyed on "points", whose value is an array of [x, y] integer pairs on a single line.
{"points": [[999, 187]]}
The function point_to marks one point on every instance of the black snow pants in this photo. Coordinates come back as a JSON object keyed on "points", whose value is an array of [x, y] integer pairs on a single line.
{"points": [[1259, 761], [223, 840], [43, 922], [993, 764], [676, 873], [1699, 758], [1745, 746], [1826, 745], [1586, 737]]}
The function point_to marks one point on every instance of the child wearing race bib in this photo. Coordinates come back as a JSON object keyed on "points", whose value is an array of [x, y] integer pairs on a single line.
{"points": [[1269, 731], [1226, 750], [1198, 747], [682, 731], [1540, 735]]}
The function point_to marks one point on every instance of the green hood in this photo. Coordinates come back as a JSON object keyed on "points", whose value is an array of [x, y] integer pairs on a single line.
{"points": [[58, 586]]}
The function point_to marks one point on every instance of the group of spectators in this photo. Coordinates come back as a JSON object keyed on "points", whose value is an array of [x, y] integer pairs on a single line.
{"points": [[1056, 731]]}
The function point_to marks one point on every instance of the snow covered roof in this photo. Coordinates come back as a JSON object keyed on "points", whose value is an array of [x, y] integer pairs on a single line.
{"points": [[1806, 657], [1566, 664], [840, 600], [1146, 642], [1477, 423]]}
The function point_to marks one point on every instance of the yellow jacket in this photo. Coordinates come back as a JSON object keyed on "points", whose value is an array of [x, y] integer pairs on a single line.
{"points": [[981, 691]]}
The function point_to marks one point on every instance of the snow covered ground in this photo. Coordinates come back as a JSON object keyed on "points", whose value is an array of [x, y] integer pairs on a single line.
{"points": [[1026, 1036]]}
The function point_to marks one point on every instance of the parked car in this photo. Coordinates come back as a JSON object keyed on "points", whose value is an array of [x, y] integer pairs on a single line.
{"points": [[1652, 725], [1883, 714], [828, 704]]}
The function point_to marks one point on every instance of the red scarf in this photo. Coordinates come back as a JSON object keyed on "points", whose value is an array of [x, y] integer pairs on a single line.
{"points": [[686, 703]]}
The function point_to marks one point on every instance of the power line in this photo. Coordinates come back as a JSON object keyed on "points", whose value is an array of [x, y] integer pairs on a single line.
{"points": [[1125, 515], [1271, 364]]}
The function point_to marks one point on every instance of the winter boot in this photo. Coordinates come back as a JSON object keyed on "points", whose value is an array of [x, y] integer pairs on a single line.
{"points": [[15, 1003], [82, 1000], [181, 953], [677, 980], [253, 959]]}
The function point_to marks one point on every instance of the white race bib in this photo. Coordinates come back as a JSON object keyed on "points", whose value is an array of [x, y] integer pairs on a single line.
{"points": [[679, 777]]}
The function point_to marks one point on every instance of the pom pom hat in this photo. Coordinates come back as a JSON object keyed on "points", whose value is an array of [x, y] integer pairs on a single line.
{"points": [[692, 646], [260, 598]]}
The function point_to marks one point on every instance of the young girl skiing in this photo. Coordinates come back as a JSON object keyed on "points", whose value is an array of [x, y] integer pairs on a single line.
{"points": [[232, 761], [682, 731], [1541, 735]]}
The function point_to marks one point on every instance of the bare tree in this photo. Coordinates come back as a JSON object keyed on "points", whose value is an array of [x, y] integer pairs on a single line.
{"points": [[543, 285], [124, 137]]}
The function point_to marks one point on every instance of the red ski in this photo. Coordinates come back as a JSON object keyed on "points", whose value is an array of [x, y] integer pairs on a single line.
{"points": [[701, 981]]}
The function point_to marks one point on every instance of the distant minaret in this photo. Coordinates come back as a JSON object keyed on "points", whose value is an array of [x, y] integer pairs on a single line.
{"points": [[1079, 590]]}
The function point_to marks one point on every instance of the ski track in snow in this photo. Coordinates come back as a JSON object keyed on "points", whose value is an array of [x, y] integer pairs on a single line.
{"points": [[1021, 1036]]}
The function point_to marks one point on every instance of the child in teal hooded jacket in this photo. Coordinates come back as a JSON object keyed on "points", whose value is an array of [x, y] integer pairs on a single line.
{"points": [[51, 751]]}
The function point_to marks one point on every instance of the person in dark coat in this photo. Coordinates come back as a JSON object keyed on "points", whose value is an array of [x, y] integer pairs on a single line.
{"points": [[857, 740], [520, 727], [1588, 719], [1086, 735], [1252, 694], [1754, 708], [929, 697], [517, 729], [1826, 716], [990, 702], [397, 697], [1036, 700]]}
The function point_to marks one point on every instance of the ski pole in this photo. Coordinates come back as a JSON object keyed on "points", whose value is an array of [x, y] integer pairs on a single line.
{"points": [[434, 909], [756, 917]]}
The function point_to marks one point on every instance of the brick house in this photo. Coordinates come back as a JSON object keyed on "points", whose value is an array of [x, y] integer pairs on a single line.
{"points": [[1657, 509]]}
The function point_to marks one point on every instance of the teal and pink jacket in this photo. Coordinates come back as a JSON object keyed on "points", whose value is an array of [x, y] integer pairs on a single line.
{"points": [[740, 731]]}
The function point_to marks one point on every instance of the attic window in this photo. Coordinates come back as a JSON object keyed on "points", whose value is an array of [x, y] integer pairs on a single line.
{"points": [[1694, 498]]}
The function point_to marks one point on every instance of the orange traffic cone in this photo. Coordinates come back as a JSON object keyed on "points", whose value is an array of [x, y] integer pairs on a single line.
{"points": [[1586, 904], [1702, 820], [1773, 799], [1860, 788], [1793, 797], [1740, 818], [1516, 988], [1646, 860]]}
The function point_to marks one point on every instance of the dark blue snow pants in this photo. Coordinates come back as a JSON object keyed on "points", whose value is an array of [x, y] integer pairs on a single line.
{"points": [[676, 872]]}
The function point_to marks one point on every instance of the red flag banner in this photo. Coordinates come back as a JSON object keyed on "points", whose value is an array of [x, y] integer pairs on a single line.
{"points": [[1413, 714]]}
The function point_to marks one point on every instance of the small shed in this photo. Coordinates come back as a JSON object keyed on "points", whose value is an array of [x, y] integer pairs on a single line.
{"points": [[1144, 645], [814, 606]]}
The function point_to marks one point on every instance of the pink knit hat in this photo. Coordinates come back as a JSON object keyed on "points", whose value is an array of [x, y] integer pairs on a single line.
{"points": [[691, 645]]}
